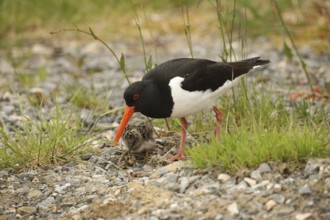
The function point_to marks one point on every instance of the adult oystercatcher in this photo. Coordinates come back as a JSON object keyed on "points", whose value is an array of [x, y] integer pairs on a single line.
{"points": [[181, 87]]}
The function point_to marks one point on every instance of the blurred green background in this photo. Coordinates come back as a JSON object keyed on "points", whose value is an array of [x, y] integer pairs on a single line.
{"points": [[31, 19]]}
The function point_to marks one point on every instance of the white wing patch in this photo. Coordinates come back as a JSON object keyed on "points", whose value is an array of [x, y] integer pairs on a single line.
{"points": [[187, 103]]}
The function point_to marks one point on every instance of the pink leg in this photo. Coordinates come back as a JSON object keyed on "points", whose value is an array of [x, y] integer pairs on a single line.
{"points": [[218, 116], [184, 126]]}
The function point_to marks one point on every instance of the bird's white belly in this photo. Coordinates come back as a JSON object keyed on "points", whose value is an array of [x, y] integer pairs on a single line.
{"points": [[187, 103]]}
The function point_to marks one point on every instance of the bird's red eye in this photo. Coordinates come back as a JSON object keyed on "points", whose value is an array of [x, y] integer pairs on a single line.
{"points": [[136, 96]]}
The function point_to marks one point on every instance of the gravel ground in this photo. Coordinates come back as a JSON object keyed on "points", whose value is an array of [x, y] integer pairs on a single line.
{"points": [[112, 184]]}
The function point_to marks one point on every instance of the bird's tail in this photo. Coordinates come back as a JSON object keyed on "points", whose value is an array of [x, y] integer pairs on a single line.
{"points": [[255, 61], [244, 66]]}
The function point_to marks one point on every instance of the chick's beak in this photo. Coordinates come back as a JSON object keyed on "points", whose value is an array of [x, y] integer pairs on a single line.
{"points": [[129, 110]]}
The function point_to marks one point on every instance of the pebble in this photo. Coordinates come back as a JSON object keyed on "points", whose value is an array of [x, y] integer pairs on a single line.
{"points": [[34, 194], [4, 173], [86, 156], [255, 175], [223, 177], [241, 186], [304, 190], [27, 210], [264, 168], [270, 204], [62, 188], [45, 204], [233, 208], [280, 199], [250, 182], [303, 216]]}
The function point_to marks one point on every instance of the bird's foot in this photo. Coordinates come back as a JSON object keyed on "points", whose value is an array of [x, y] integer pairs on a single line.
{"points": [[179, 156]]}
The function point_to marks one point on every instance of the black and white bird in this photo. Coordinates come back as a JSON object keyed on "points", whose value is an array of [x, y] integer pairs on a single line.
{"points": [[181, 87]]}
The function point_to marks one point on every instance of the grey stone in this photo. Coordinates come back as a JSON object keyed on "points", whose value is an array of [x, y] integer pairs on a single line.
{"points": [[86, 156], [278, 198], [45, 204], [4, 173], [184, 184], [304, 190], [264, 168], [62, 188], [255, 175]]}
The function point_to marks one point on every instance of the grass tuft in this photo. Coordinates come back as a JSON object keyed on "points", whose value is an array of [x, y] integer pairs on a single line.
{"points": [[259, 130], [43, 142]]}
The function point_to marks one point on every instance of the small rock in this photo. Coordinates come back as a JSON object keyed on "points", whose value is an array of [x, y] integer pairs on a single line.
{"points": [[173, 187], [277, 188], [26, 210], [218, 217], [278, 198], [255, 175], [34, 194], [45, 204], [61, 189], [223, 177], [304, 190], [12, 179], [264, 168], [184, 184], [86, 156], [172, 177], [263, 184], [3, 173], [233, 209], [250, 182], [303, 216], [312, 167], [147, 168], [288, 181], [142, 210], [327, 182], [241, 186], [8, 109], [286, 211], [23, 190], [270, 204], [213, 187]]}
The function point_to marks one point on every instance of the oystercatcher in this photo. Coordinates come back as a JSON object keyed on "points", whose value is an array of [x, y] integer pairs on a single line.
{"points": [[181, 87]]}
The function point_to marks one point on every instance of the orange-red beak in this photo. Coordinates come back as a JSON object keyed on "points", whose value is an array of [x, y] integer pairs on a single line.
{"points": [[127, 115]]}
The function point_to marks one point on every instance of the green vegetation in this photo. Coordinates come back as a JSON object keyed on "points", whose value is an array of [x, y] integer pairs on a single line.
{"points": [[30, 80], [260, 129], [83, 97], [43, 142]]}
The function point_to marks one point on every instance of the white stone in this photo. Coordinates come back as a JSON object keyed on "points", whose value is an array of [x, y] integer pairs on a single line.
{"points": [[233, 209], [251, 182], [223, 177], [277, 188], [303, 216]]}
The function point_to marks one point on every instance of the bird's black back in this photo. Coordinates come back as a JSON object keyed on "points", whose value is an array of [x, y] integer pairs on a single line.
{"points": [[201, 74]]}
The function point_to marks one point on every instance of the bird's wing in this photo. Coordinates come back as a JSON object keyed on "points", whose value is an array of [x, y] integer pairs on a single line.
{"points": [[206, 74], [201, 74]]}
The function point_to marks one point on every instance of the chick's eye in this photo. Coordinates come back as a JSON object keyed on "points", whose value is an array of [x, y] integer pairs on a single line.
{"points": [[136, 96]]}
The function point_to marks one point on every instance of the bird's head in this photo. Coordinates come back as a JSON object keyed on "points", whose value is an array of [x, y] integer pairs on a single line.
{"points": [[134, 101]]}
